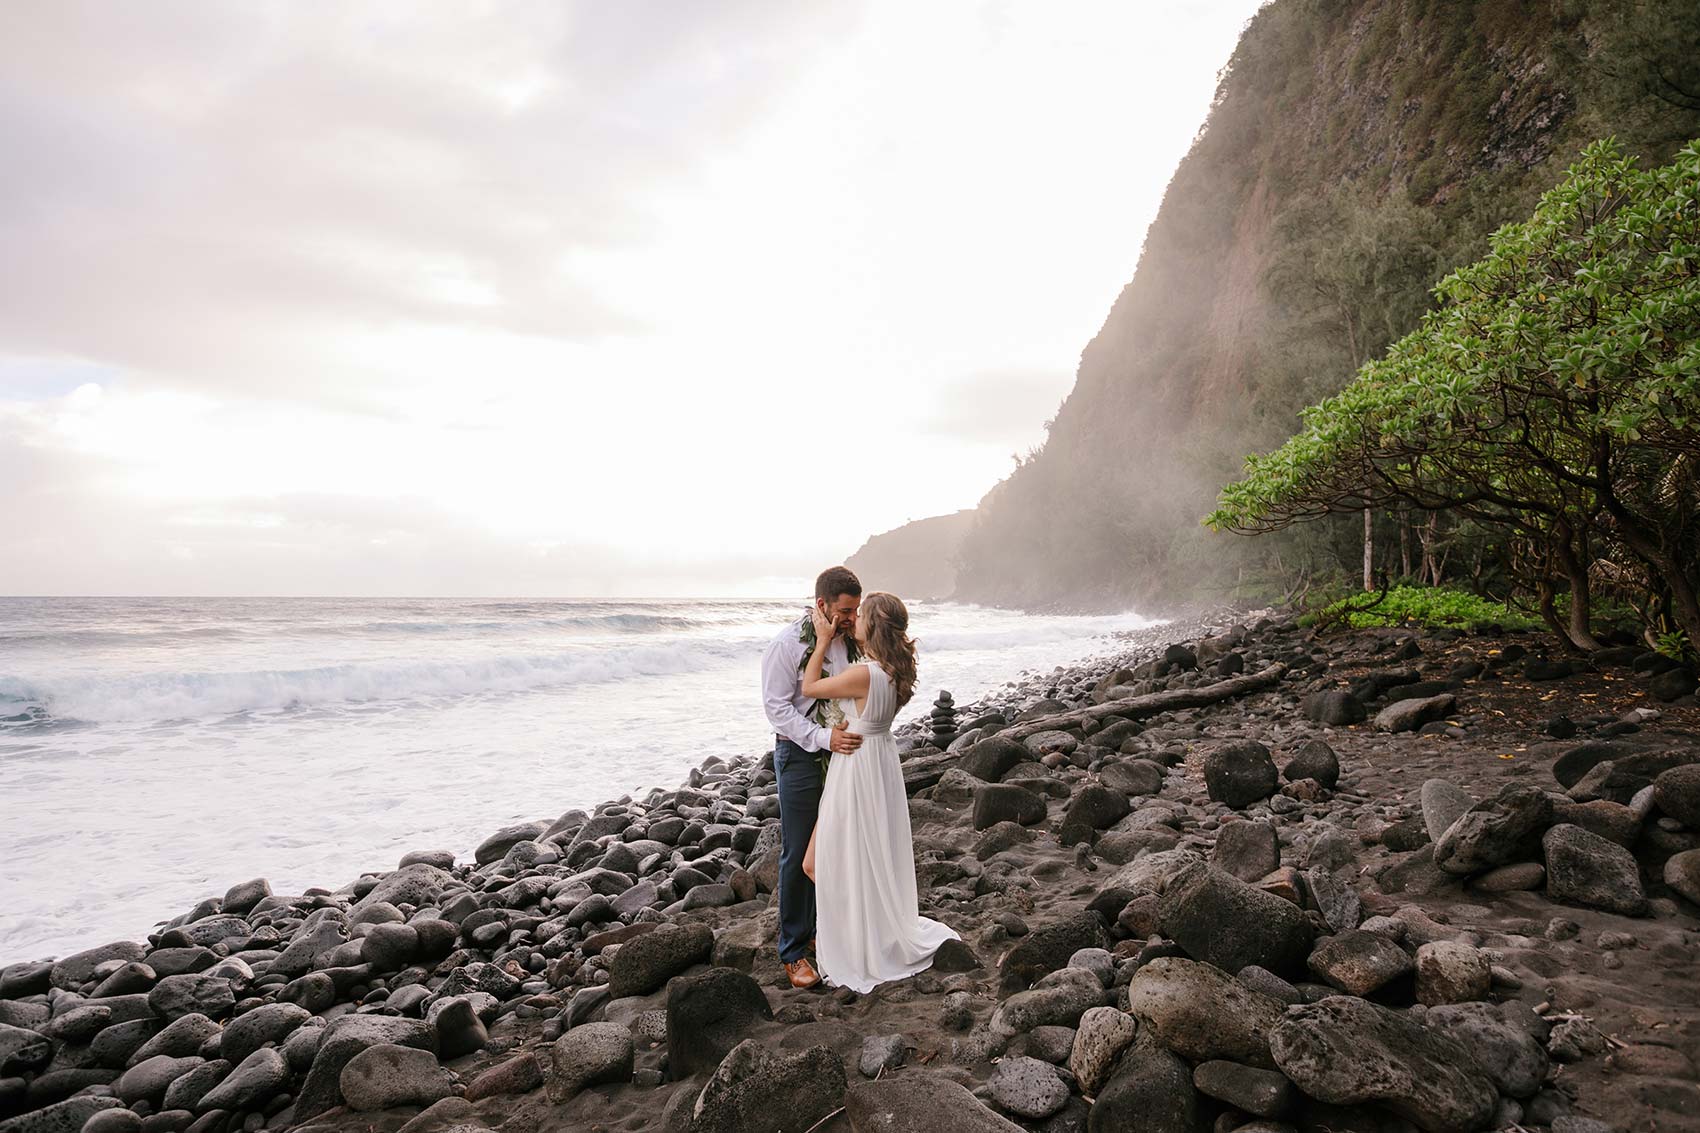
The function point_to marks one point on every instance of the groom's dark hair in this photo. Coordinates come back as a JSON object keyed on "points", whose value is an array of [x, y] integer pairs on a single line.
{"points": [[837, 580]]}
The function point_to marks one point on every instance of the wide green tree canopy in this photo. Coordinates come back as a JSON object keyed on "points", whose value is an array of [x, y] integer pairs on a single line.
{"points": [[1554, 389]]}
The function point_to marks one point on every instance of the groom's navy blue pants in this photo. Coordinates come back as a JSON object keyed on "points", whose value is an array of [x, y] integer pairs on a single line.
{"points": [[798, 773]]}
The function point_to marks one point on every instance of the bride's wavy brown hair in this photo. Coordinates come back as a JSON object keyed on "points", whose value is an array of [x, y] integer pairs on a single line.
{"points": [[885, 633]]}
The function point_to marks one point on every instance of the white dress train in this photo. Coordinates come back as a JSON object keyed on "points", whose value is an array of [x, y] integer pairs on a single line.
{"points": [[868, 928]]}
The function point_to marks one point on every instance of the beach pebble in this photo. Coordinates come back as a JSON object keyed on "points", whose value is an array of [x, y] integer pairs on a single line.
{"points": [[1247, 850], [880, 1052], [1028, 1088], [149, 1079], [1348, 1051], [1103, 1034], [645, 964], [1220, 919], [1359, 962], [707, 1015], [1586, 869], [1238, 774], [1263, 1093], [256, 1079], [1201, 1013], [186, 1092], [384, 1077], [458, 1026]]}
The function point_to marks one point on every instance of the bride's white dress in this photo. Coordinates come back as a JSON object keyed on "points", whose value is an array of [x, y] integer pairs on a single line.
{"points": [[868, 928]]}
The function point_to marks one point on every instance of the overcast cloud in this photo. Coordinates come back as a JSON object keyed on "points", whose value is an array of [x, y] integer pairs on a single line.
{"points": [[514, 298]]}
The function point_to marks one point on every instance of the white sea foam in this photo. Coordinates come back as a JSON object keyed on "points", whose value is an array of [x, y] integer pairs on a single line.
{"points": [[198, 695], [155, 751]]}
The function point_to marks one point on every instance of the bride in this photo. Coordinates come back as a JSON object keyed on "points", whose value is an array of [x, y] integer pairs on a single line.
{"points": [[860, 856]]}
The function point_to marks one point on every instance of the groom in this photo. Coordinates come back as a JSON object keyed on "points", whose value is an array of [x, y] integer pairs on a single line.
{"points": [[798, 740]]}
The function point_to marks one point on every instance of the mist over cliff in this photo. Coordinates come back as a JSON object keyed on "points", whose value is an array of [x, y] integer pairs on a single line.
{"points": [[1355, 152]]}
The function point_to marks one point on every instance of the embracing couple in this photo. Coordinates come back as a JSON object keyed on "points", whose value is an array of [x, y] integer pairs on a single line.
{"points": [[831, 683]]}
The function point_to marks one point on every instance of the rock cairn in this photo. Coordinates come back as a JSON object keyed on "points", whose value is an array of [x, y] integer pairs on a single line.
{"points": [[1264, 912], [943, 717]]}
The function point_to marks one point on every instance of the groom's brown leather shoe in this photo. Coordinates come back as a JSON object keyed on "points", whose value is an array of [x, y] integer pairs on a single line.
{"points": [[802, 973]]}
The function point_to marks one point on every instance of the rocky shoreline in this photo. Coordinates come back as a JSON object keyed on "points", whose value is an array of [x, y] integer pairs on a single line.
{"points": [[1374, 881]]}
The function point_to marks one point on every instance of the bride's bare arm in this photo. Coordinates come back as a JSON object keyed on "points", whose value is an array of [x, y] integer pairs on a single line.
{"points": [[852, 683]]}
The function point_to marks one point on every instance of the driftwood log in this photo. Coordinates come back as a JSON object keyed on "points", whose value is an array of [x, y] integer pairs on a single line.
{"points": [[1151, 704]]}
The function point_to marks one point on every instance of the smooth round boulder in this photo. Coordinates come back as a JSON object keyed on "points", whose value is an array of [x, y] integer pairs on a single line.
{"points": [[1028, 1088], [589, 1055], [707, 1015], [268, 1023], [114, 1121], [1451, 972], [1586, 869], [186, 1092], [1239, 774], [1443, 803], [1261, 1093], [191, 994], [646, 964], [1201, 1013], [389, 947], [1103, 1034], [1315, 760], [260, 1076], [1682, 873], [1134, 777], [1220, 919], [386, 1076], [1347, 1051], [1006, 802], [990, 758], [149, 1079], [1677, 793]]}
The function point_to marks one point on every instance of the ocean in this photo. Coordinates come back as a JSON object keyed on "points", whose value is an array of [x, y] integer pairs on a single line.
{"points": [[154, 751]]}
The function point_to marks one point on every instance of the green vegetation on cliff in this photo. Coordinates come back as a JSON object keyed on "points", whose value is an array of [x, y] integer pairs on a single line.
{"points": [[1553, 397], [1355, 153]]}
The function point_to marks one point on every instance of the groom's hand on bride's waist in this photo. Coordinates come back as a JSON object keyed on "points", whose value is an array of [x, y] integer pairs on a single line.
{"points": [[844, 741]]}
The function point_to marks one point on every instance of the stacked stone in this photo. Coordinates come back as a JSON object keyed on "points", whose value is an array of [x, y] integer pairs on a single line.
{"points": [[944, 720]]}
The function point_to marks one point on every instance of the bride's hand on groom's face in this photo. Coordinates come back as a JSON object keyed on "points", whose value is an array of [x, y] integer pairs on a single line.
{"points": [[825, 627]]}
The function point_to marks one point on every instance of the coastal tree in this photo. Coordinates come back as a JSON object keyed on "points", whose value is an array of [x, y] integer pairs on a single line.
{"points": [[1554, 393]]}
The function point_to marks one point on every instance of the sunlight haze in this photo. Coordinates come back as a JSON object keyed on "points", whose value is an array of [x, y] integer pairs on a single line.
{"points": [[552, 299]]}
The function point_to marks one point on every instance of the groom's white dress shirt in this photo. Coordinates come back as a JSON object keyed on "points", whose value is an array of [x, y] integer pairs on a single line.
{"points": [[782, 687]]}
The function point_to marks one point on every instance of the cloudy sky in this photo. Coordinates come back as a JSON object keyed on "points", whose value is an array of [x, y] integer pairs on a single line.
{"points": [[553, 298]]}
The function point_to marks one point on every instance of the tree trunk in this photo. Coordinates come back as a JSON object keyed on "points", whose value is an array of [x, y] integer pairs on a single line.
{"points": [[1426, 536], [1581, 595], [1369, 552], [1154, 703], [1404, 543], [1549, 614]]}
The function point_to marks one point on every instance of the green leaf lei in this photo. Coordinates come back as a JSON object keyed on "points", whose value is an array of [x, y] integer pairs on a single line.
{"points": [[826, 712]]}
